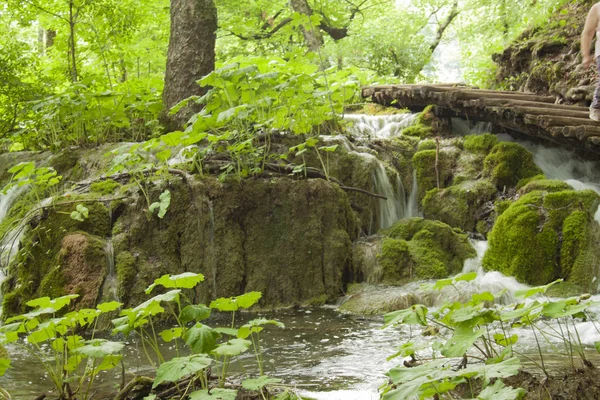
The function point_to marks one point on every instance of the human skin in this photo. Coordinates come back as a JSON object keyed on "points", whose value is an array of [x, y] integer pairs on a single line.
{"points": [[591, 24]]}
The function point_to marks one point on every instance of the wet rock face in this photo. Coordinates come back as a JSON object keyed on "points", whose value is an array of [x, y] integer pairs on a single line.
{"points": [[545, 59], [289, 239]]}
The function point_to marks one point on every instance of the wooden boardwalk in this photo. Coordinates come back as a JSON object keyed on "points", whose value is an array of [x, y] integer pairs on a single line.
{"points": [[525, 113]]}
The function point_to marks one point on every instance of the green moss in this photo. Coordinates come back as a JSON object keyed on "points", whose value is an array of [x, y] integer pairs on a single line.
{"points": [[395, 260], [508, 163], [105, 187], [64, 161], [482, 227], [545, 185], [458, 205], [418, 130], [40, 258], [428, 144], [424, 249], [407, 144], [575, 239], [424, 163], [53, 284], [564, 289], [525, 181], [317, 301], [480, 143], [501, 206], [544, 236]]}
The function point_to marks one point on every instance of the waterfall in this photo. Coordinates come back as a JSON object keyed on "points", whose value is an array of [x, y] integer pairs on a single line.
{"points": [[110, 287], [462, 127], [212, 259], [394, 208], [380, 126], [9, 244], [412, 206]]}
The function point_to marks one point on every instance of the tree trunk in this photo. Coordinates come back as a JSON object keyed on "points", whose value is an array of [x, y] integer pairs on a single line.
{"points": [[312, 34], [191, 55]]}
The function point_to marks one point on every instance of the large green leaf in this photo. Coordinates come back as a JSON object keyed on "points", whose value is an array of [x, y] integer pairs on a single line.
{"points": [[461, 341], [415, 315], [194, 312], [215, 394], [99, 348], [232, 348], [187, 280], [180, 367], [246, 300], [526, 293], [498, 391], [202, 338]]}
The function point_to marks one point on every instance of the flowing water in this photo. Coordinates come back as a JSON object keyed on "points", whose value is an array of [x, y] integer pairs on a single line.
{"points": [[328, 355], [110, 287]]}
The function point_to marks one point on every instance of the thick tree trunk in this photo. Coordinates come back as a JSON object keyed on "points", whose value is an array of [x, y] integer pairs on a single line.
{"points": [[191, 56], [312, 34]]}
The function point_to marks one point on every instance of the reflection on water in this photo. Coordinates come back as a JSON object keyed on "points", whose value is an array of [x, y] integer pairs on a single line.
{"points": [[321, 352]]}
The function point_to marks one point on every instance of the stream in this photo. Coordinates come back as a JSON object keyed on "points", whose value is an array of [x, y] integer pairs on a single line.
{"points": [[321, 352]]}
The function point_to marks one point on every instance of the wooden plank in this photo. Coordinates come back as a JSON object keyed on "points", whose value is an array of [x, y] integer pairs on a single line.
{"points": [[524, 103], [475, 95]]}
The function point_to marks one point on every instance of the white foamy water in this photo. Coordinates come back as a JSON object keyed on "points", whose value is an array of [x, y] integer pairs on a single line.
{"points": [[380, 126], [394, 208]]}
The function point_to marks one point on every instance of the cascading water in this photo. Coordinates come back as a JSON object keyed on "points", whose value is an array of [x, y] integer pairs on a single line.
{"points": [[211, 257], [397, 206], [412, 205], [380, 126], [110, 288]]}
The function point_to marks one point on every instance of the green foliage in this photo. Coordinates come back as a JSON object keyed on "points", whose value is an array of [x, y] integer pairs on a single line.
{"points": [[73, 363], [201, 340], [81, 213], [105, 187], [481, 332], [26, 173], [161, 206]]}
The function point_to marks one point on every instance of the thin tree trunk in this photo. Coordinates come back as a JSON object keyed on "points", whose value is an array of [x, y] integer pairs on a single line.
{"points": [[442, 28], [74, 75], [312, 34], [50, 36], [191, 55]]}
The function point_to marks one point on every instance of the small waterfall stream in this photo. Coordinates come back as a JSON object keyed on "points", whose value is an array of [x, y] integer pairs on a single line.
{"points": [[110, 287]]}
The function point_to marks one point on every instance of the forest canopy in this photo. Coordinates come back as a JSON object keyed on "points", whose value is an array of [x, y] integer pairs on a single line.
{"points": [[83, 72]]}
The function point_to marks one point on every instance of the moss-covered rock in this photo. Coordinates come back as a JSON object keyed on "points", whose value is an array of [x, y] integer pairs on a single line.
{"points": [[54, 250], [428, 144], [544, 236], [480, 143], [424, 162], [417, 248], [545, 185], [508, 163], [459, 205], [104, 187]]}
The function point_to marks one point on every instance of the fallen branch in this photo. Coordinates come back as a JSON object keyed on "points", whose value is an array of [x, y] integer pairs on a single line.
{"points": [[137, 381], [353, 189]]}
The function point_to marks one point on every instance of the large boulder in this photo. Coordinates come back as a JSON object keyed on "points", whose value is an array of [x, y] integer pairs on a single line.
{"points": [[547, 235], [414, 248]]}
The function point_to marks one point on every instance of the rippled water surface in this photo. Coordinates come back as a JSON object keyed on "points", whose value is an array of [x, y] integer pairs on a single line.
{"points": [[321, 352]]}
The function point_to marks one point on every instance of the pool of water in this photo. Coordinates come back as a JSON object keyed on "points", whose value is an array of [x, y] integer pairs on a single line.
{"points": [[320, 352]]}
